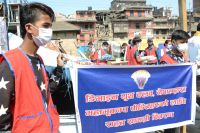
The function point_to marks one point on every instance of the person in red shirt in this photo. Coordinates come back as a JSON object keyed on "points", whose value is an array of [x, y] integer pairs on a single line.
{"points": [[93, 54], [151, 51], [132, 55], [179, 52]]}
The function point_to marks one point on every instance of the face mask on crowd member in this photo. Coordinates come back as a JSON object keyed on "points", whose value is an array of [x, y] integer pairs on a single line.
{"points": [[44, 36], [181, 46], [105, 46], [138, 44], [169, 46]]}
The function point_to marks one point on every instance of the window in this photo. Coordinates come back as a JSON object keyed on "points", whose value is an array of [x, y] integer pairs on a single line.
{"points": [[137, 25], [91, 26], [139, 14], [157, 32], [81, 14], [86, 26], [164, 32], [91, 36], [131, 13], [82, 35]]}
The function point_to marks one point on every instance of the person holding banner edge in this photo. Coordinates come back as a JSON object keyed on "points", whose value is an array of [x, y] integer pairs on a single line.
{"points": [[25, 100], [179, 54]]}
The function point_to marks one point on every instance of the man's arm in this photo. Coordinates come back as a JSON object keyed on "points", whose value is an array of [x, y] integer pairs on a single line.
{"points": [[56, 76], [6, 96]]}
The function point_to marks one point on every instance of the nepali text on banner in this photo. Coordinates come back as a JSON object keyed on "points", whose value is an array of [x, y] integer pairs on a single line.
{"points": [[134, 99]]}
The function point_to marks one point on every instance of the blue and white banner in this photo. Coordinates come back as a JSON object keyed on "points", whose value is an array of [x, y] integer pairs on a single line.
{"points": [[134, 99]]}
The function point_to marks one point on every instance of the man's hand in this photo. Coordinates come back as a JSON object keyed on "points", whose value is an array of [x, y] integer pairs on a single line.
{"points": [[61, 60]]}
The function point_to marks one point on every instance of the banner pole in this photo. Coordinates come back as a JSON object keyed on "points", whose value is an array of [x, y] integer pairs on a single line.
{"points": [[6, 18]]}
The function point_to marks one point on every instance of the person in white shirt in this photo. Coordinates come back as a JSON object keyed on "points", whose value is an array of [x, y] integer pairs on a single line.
{"points": [[194, 56], [194, 52]]}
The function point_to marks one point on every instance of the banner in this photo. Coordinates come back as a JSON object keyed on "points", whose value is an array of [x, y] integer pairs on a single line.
{"points": [[134, 99]]}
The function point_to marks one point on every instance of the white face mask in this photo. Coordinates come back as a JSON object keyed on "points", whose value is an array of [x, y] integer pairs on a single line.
{"points": [[182, 47], [169, 46], [44, 36], [138, 44], [104, 48]]}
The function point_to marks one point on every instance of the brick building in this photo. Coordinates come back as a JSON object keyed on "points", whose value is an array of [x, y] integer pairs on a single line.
{"points": [[137, 18], [86, 20]]}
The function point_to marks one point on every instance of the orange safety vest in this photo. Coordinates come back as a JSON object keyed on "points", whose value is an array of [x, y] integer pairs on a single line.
{"points": [[30, 113], [151, 52], [166, 58], [102, 52], [131, 55], [94, 56]]}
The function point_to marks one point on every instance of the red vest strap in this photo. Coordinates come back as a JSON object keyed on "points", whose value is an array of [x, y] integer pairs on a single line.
{"points": [[166, 58]]}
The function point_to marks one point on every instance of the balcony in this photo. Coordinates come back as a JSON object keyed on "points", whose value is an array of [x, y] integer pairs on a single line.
{"points": [[133, 18], [160, 19], [162, 27], [120, 29]]}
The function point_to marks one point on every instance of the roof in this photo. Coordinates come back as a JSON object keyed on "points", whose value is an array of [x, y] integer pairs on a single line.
{"points": [[139, 7], [82, 20], [85, 11], [64, 26]]}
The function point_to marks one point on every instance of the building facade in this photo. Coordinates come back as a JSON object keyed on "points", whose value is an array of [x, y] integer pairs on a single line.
{"points": [[13, 7], [137, 16], [86, 20], [196, 5], [65, 30], [163, 23], [123, 4]]}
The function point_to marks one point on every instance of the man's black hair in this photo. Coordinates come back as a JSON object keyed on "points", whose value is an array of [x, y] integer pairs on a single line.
{"points": [[90, 43], [166, 42], [180, 35], [130, 41], [136, 40], [29, 14], [198, 27], [105, 44]]}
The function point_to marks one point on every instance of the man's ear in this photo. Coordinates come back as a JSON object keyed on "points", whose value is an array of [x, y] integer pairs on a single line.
{"points": [[29, 28], [173, 42]]}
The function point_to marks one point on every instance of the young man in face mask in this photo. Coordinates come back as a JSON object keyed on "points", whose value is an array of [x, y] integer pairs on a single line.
{"points": [[177, 55], [93, 54], [104, 52], [179, 52], [151, 51], [25, 100]]}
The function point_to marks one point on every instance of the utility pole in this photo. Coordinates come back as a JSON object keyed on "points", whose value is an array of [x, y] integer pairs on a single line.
{"points": [[6, 18], [183, 14]]}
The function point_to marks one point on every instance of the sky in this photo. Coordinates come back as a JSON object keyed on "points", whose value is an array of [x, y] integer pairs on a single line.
{"points": [[70, 6]]}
